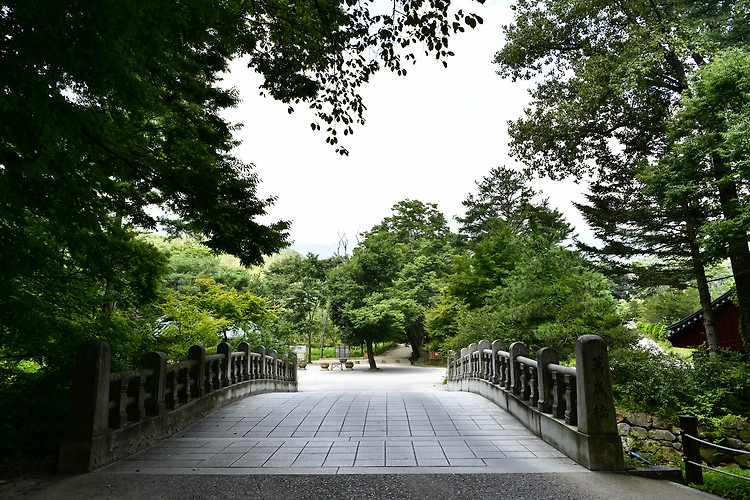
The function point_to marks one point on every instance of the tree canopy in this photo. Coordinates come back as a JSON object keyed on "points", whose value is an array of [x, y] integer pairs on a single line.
{"points": [[613, 82]]}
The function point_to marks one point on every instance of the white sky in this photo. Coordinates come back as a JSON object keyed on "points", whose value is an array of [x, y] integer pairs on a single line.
{"points": [[428, 136]]}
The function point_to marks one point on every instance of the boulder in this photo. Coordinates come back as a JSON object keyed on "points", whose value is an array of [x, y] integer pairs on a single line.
{"points": [[661, 435], [639, 432], [639, 419]]}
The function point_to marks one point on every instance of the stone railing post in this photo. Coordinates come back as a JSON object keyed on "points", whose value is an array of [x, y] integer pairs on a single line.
{"points": [[596, 408], [544, 357], [157, 361], [225, 367], [88, 418], [464, 362], [262, 351], [516, 349], [497, 345], [245, 347], [197, 353]]}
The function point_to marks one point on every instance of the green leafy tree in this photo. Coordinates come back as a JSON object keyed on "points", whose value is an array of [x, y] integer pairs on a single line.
{"points": [[212, 315], [298, 286], [611, 76], [111, 119], [417, 234], [523, 285], [710, 136]]}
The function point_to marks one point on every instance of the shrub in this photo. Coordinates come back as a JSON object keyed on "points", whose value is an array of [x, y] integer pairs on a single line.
{"points": [[654, 382]]}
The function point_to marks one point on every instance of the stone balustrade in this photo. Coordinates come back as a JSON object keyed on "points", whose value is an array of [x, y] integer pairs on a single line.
{"points": [[115, 414], [570, 408]]}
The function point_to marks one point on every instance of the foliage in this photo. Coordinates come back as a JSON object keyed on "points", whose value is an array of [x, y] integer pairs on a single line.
{"points": [[210, 316], [188, 260], [111, 120], [298, 288], [517, 283], [624, 93], [725, 486], [550, 299], [670, 306], [707, 387], [386, 288]]}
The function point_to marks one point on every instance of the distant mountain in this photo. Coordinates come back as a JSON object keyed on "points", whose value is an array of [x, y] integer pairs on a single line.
{"points": [[322, 251]]}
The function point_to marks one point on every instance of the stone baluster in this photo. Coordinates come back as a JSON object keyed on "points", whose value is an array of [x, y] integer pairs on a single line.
{"points": [[274, 364], [497, 345], [558, 395], [545, 357], [157, 383], [262, 362], [516, 349], [484, 360], [197, 353], [244, 347], [473, 370], [118, 390], [533, 385], [225, 365], [571, 404]]}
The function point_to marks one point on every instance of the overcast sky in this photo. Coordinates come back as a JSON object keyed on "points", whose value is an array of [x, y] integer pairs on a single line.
{"points": [[429, 136]]}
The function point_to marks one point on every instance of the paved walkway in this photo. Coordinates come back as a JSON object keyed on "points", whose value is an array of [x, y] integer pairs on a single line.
{"points": [[352, 433]]}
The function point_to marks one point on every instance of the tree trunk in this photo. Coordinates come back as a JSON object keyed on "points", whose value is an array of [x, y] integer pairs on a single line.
{"points": [[709, 322], [699, 270], [370, 355], [416, 339], [739, 255]]}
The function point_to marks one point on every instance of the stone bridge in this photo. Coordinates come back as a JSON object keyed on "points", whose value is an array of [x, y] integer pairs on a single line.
{"points": [[398, 419], [188, 430]]}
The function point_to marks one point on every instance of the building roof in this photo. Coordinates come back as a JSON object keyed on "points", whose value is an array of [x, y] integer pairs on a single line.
{"points": [[697, 317]]}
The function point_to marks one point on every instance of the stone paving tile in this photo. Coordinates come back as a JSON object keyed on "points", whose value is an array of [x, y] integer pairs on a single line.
{"points": [[352, 433]]}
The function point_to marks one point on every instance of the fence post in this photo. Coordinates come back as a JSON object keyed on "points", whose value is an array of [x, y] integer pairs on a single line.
{"points": [[245, 347], [691, 449], [274, 364], [596, 409], [484, 367], [596, 405]]}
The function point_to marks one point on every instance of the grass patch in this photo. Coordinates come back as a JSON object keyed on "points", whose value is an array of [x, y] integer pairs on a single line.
{"points": [[726, 486]]}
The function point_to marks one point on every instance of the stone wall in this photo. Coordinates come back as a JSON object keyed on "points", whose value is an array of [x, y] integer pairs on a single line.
{"points": [[658, 440]]}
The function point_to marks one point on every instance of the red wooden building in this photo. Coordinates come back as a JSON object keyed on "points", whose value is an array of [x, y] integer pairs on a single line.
{"points": [[689, 331]]}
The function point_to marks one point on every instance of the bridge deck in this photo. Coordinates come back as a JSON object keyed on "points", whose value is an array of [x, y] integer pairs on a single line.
{"points": [[330, 431]]}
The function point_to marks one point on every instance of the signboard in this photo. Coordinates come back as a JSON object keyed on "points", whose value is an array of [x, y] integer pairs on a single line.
{"points": [[300, 351], [435, 355], [342, 351]]}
